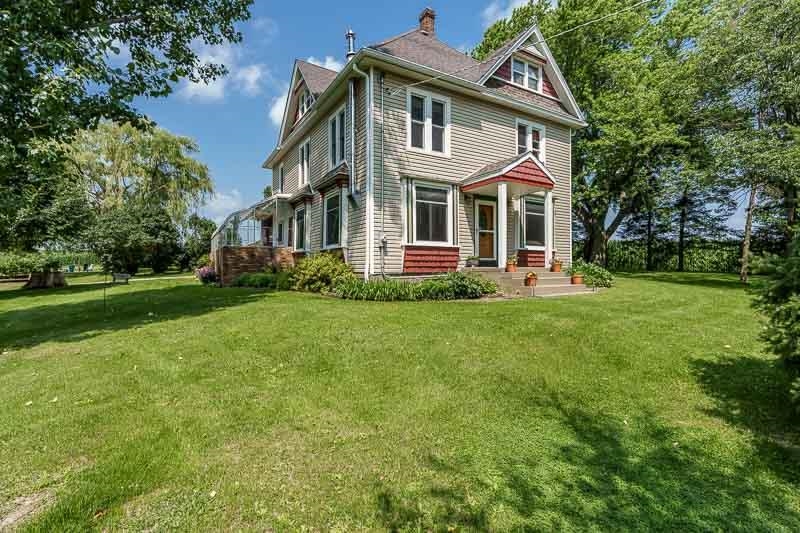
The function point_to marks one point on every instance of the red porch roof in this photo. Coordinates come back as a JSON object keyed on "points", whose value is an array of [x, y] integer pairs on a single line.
{"points": [[523, 169]]}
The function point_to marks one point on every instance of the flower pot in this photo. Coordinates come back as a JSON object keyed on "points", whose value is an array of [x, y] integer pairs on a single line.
{"points": [[577, 279], [556, 267], [530, 282], [472, 262], [511, 268]]}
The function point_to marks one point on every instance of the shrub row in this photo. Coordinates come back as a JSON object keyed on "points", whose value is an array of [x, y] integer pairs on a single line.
{"points": [[453, 286], [593, 274], [281, 281]]}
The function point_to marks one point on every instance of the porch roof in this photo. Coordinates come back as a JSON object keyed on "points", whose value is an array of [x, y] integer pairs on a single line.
{"points": [[524, 171]]}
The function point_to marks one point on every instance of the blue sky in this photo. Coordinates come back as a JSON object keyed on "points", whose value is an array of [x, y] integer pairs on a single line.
{"points": [[235, 119]]}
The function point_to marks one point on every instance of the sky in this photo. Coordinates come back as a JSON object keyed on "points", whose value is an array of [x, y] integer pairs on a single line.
{"points": [[235, 119]]}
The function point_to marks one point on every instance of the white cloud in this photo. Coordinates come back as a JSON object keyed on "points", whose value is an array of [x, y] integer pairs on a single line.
{"points": [[266, 28], [329, 62], [223, 204], [499, 9], [277, 106], [247, 79]]}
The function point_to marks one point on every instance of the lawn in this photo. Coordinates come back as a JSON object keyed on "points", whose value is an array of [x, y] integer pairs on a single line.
{"points": [[176, 406]]}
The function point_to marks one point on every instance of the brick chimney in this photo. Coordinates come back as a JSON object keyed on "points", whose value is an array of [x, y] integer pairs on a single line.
{"points": [[427, 21]]}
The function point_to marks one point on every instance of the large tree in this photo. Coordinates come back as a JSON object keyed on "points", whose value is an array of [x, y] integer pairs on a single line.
{"points": [[66, 64]]}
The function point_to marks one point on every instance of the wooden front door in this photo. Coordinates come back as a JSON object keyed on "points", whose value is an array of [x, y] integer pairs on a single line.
{"points": [[486, 231]]}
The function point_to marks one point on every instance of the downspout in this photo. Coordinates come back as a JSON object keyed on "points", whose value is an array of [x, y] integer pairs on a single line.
{"points": [[384, 242], [368, 252]]}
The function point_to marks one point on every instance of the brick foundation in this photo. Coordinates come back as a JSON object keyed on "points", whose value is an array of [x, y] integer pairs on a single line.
{"points": [[530, 258], [430, 259], [233, 261]]}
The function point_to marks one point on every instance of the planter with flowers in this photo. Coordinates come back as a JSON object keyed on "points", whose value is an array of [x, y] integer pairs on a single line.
{"points": [[530, 279], [511, 263], [576, 272], [473, 261], [556, 265]]}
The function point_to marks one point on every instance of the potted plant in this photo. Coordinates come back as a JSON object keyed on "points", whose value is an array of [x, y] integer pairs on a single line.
{"points": [[511, 263], [530, 279], [576, 273], [556, 265], [473, 261]]}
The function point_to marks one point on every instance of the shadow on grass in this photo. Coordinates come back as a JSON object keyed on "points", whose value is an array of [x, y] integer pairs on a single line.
{"points": [[86, 318], [607, 476], [752, 393], [713, 281]]}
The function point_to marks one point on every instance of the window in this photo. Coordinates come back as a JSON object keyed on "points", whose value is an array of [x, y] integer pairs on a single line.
{"points": [[432, 213], [280, 233], [533, 224], [528, 75], [428, 122], [529, 138], [300, 228], [304, 159], [281, 178], [304, 103], [336, 128], [331, 220], [290, 230]]}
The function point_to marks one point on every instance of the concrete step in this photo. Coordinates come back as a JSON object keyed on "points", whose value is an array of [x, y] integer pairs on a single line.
{"points": [[544, 290]]}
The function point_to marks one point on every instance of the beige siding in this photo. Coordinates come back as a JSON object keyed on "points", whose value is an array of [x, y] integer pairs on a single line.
{"points": [[481, 133], [357, 211]]}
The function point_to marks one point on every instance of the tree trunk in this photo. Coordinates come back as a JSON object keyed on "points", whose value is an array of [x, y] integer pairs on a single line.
{"points": [[596, 246], [748, 231], [46, 280], [682, 232]]}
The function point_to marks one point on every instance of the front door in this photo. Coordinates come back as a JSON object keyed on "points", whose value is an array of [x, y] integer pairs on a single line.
{"points": [[486, 237]]}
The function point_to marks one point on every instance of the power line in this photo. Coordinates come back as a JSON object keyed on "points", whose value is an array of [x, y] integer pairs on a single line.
{"points": [[544, 39]]}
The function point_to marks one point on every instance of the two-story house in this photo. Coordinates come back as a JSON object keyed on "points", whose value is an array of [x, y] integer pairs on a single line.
{"points": [[415, 156]]}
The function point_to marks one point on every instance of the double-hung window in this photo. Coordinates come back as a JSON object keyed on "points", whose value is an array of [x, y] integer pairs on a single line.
{"points": [[428, 122], [304, 161], [332, 220], [432, 213], [528, 75], [533, 222], [336, 129], [281, 178], [300, 228], [304, 104], [530, 138]]}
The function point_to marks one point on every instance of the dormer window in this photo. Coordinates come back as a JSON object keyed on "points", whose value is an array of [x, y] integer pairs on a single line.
{"points": [[528, 75], [305, 103]]}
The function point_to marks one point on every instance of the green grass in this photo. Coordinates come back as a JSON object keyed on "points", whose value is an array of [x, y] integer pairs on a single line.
{"points": [[177, 406]]}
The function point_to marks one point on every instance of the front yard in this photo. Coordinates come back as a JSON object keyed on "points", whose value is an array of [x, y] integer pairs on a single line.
{"points": [[649, 406]]}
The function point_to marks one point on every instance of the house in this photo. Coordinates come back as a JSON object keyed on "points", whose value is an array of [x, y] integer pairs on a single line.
{"points": [[415, 157]]}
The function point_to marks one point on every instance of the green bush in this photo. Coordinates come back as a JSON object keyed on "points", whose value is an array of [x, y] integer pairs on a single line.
{"points": [[281, 281], [593, 274], [454, 286], [320, 273], [23, 263]]}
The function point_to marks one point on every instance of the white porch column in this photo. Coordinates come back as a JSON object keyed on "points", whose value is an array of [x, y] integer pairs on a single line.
{"points": [[548, 228], [502, 222]]}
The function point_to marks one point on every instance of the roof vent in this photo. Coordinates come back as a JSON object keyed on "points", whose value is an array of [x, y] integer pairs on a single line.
{"points": [[351, 44], [427, 21]]}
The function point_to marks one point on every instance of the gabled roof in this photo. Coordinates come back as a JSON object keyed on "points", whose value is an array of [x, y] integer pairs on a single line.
{"points": [[524, 168], [317, 78], [424, 49]]}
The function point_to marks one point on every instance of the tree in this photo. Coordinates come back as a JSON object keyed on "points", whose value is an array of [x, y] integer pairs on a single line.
{"points": [[65, 65], [121, 163], [267, 191], [197, 240], [119, 239]]}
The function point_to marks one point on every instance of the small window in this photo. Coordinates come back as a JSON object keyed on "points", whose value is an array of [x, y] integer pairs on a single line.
{"points": [[280, 233], [529, 138], [304, 161], [336, 138], [304, 103], [428, 122], [431, 214], [534, 222], [417, 121], [300, 228], [290, 230], [528, 75], [332, 220], [281, 178]]}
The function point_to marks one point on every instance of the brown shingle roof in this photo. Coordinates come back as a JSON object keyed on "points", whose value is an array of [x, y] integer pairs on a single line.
{"points": [[317, 78]]}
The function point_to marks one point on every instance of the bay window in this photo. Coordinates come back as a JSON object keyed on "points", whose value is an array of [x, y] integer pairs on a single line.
{"points": [[336, 129], [332, 220], [428, 122], [534, 224], [300, 228]]}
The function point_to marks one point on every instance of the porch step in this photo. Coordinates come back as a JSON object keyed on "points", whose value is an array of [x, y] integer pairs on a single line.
{"points": [[544, 291]]}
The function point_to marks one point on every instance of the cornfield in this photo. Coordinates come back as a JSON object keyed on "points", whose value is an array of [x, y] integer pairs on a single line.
{"points": [[700, 256]]}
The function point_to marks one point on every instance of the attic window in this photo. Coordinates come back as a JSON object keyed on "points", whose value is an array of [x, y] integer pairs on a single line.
{"points": [[305, 103], [528, 75]]}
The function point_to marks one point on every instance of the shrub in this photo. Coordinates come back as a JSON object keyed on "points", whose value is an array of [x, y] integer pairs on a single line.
{"points": [[593, 274], [320, 273], [454, 286], [23, 263], [284, 280], [206, 275], [281, 281]]}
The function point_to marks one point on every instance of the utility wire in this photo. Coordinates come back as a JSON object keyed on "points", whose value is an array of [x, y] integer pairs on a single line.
{"points": [[570, 30]]}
